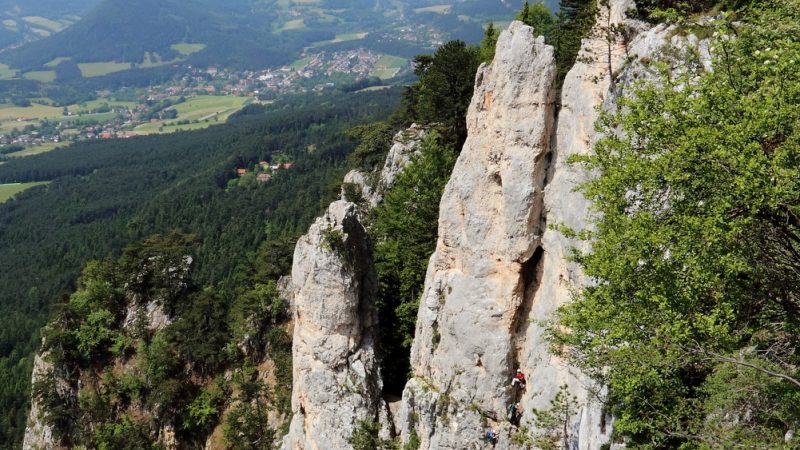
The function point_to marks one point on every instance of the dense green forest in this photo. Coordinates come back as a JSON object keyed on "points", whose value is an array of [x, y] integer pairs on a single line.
{"points": [[693, 323], [105, 195]]}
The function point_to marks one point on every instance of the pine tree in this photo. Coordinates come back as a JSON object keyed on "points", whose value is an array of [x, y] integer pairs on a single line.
{"points": [[489, 43]]}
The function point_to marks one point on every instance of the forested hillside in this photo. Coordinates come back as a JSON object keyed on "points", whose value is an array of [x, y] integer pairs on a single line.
{"points": [[106, 195], [236, 33]]}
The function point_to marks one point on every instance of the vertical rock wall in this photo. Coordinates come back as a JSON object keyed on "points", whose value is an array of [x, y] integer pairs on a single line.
{"points": [[587, 88], [336, 377], [499, 273], [474, 307]]}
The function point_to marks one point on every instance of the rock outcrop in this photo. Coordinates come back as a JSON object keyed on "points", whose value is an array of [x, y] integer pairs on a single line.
{"points": [[336, 377], [337, 383], [405, 145], [38, 434], [475, 303], [499, 272]]}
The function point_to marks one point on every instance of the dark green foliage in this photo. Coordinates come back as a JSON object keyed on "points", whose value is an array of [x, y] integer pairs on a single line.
{"points": [[693, 320], [20, 101], [11, 149], [106, 195], [675, 10], [539, 17], [555, 422], [168, 373], [404, 233], [446, 82], [365, 437], [374, 140], [127, 434], [246, 426], [280, 351], [489, 42], [201, 332], [67, 70], [253, 316], [573, 22]]}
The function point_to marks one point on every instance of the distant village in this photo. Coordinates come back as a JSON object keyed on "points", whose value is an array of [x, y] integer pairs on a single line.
{"points": [[316, 72]]}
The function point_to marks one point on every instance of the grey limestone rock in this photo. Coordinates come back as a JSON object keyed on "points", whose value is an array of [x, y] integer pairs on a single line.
{"points": [[499, 271], [405, 145], [336, 378], [473, 305]]}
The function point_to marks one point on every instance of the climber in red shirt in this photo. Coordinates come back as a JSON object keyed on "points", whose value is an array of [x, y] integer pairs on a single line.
{"points": [[519, 378]]}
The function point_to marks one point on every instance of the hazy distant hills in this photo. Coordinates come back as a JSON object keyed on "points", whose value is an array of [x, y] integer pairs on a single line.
{"points": [[249, 33], [28, 20]]}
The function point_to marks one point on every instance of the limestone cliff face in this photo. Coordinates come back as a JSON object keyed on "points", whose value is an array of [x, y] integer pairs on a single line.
{"points": [[337, 382], [405, 145], [487, 256], [336, 377], [499, 272]]}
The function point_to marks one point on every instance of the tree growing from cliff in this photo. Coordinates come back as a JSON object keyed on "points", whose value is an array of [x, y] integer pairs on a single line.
{"points": [[554, 422], [694, 320]]}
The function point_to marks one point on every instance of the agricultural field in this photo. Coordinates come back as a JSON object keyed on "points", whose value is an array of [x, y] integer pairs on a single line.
{"points": [[187, 49], [36, 111], [18, 117], [45, 76], [300, 63], [345, 37], [37, 150], [295, 24], [207, 110], [94, 104], [8, 191], [388, 66], [438, 9], [42, 22], [102, 68], [7, 72]]}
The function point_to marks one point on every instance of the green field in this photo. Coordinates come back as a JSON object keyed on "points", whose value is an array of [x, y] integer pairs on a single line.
{"points": [[6, 72], [94, 104], [57, 61], [43, 22], [342, 38], [187, 49], [206, 109], [38, 149], [45, 76], [102, 68], [295, 24], [8, 191], [10, 112], [300, 63], [438, 9], [388, 66]]}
